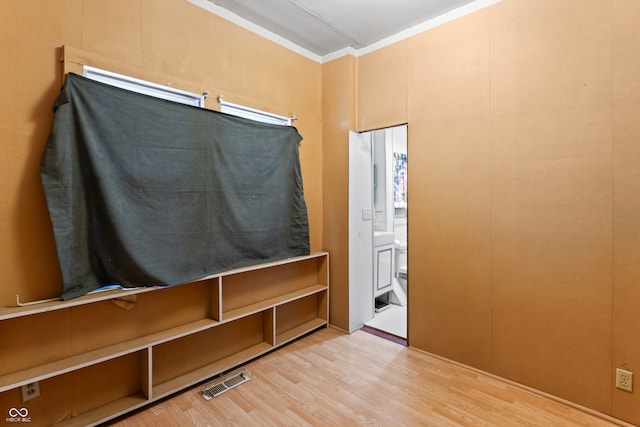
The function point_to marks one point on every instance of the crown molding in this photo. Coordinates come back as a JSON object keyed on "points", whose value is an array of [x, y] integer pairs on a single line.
{"points": [[402, 35]]}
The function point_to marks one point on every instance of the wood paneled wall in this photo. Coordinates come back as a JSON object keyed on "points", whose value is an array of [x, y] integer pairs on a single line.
{"points": [[449, 191], [524, 175], [625, 43], [170, 38], [523, 170], [338, 117], [552, 197], [386, 71]]}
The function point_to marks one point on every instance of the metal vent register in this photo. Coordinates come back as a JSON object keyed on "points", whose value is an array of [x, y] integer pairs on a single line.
{"points": [[224, 383]]}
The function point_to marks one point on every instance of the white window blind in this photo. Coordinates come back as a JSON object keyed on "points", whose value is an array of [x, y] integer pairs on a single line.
{"points": [[252, 113], [144, 87], [172, 94]]}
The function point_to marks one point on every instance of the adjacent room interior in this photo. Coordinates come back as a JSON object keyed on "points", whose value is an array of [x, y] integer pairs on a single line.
{"points": [[492, 147]]}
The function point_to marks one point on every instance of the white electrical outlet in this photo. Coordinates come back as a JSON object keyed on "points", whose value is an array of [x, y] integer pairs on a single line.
{"points": [[624, 379], [30, 391]]}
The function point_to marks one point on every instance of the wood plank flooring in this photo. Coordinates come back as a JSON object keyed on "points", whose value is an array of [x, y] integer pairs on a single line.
{"points": [[333, 379]]}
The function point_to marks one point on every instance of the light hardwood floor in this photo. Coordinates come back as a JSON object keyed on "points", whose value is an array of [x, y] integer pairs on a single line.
{"points": [[333, 379]]}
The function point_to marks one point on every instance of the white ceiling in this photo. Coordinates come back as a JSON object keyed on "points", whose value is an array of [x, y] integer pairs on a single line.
{"points": [[327, 26]]}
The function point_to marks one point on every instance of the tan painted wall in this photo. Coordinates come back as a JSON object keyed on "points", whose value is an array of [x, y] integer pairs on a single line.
{"points": [[170, 38], [338, 117], [523, 181], [386, 71], [625, 53], [449, 198], [523, 129]]}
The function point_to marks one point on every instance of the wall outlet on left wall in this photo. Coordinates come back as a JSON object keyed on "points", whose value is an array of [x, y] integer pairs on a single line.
{"points": [[30, 391]]}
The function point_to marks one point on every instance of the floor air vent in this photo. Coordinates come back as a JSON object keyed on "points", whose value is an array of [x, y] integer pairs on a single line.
{"points": [[224, 383]]}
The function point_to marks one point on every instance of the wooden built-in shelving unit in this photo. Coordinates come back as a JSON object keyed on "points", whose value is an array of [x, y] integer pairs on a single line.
{"points": [[96, 360]]}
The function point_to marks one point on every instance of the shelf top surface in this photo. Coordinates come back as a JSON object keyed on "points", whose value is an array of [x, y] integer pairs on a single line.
{"points": [[50, 305]]}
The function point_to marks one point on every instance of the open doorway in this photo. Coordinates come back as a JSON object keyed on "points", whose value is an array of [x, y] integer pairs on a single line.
{"points": [[378, 196]]}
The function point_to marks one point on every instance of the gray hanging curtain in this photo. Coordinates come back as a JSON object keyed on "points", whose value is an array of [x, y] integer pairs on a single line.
{"points": [[146, 192]]}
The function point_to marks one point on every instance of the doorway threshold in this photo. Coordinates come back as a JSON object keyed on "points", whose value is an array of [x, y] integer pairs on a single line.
{"points": [[382, 334]]}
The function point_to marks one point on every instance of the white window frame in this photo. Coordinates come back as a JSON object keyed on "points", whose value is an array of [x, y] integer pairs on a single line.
{"points": [[142, 86], [176, 95], [252, 114]]}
